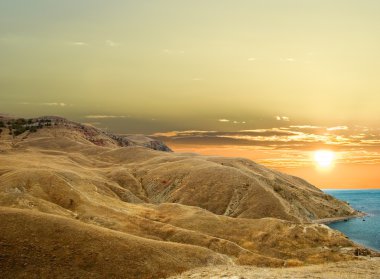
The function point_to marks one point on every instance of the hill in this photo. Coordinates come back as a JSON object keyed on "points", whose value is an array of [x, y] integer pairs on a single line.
{"points": [[73, 195]]}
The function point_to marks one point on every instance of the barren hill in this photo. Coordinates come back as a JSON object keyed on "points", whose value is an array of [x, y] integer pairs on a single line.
{"points": [[72, 195], [46, 127]]}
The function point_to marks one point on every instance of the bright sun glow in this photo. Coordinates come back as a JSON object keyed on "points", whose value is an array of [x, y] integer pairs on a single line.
{"points": [[324, 158]]}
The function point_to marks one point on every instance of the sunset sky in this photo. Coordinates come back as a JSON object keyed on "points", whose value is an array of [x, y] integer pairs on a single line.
{"points": [[271, 80]]}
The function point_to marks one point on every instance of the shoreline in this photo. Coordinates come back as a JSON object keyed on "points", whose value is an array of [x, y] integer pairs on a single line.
{"points": [[339, 219], [327, 221]]}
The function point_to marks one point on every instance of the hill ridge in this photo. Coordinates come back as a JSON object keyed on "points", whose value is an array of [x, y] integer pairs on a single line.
{"points": [[22, 128]]}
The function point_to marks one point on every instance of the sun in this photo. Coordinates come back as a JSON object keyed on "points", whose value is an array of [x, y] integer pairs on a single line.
{"points": [[324, 158]]}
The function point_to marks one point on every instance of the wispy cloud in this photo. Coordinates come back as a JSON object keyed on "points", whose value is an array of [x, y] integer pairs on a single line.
{"points": [[111, 43], [53, 104], [182, 133], [291, 145], [77, 43], [251, 59], [103, 116], [337, 128], [216, 134], [282, 118], [305, 126], [289, 59], [231, 121]]}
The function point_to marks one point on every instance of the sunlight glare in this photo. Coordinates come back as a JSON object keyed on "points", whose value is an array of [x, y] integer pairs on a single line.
{"points": [[324, 158]]}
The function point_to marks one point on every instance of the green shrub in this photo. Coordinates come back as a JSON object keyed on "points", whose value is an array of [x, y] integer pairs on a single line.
{"points": [[19, 130], [20, 121]]}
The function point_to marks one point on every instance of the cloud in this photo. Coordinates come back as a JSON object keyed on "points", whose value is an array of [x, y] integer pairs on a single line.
{"points": [[232, 121], [111, 43], [54, 104], [182, 133], [305, 127], [337, 128], [102, 116], [78, 43], [216, 134], [284, 147], [252, 59], [282, 118], [291, 137]]}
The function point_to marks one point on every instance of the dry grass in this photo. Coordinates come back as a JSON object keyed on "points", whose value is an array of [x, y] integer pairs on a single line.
{"points": [[70, 208], [365, 269], [37, 245]]}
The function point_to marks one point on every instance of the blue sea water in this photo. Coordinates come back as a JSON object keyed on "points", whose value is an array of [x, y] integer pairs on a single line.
{"points": [[365, 232]]}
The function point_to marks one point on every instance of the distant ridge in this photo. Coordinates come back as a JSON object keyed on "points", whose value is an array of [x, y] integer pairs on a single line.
{"points": [[23, 127]]}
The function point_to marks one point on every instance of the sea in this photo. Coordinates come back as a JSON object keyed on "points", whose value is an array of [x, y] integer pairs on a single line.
{"points": [[364, 230]]}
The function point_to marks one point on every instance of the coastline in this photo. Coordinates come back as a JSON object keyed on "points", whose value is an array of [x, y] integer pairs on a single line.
{"points": [[339, 219], [327, 221]]}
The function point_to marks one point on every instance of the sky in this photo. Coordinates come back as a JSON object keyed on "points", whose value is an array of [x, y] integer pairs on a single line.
{"points": [[270, 80]]}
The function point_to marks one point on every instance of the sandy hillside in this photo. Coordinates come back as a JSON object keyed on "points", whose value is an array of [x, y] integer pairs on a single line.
{"points": [[363, 269], [74, 199]]}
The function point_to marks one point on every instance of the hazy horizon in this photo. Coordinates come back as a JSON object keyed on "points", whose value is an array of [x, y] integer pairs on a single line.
{"points": [[274, 81]]}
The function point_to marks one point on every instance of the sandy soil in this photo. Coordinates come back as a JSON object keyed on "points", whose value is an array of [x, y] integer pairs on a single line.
{"points": [[363, 269]]}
